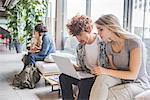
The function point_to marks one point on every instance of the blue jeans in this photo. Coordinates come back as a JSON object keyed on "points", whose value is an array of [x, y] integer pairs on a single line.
{"points": [[32, 58], [36, 57]]}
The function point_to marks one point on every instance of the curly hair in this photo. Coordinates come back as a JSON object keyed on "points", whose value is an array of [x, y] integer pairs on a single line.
{"points": [[78, 23]]}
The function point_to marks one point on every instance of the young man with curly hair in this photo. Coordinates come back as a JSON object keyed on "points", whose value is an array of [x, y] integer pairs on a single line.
{"points": [[90, 52]]}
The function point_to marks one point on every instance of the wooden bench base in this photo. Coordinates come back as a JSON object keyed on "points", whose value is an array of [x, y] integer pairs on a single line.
{"points": [[52, 80]]}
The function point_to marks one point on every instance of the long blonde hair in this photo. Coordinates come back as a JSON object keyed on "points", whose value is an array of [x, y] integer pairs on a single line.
{"points": [[111, 22]]}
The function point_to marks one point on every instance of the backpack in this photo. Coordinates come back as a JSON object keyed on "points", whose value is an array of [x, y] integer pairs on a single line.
{"points": [[26, 59], [27, 78]]}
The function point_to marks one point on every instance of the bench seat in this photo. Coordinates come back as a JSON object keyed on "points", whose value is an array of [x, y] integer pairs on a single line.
{"points": [[47, 68]]}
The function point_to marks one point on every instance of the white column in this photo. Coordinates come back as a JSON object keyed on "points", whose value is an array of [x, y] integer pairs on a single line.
{"points": [[60, 23], [48, 18], [88, 7]]}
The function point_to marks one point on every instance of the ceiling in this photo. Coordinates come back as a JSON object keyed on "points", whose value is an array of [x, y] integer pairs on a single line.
{"points": [[4, 4]]}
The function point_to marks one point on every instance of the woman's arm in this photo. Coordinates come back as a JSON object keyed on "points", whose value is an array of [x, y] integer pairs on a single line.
{"points": [[134, 67]]}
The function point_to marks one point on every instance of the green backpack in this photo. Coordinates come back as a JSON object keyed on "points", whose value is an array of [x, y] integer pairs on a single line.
{"points": [[27, 78]]}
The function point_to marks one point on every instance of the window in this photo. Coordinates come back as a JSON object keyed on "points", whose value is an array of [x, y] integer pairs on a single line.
{"points": [[100, 7], [75, 7], [141, 27]]}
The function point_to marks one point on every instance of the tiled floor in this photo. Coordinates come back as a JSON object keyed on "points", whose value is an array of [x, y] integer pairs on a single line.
{"points": [[10, 64]]}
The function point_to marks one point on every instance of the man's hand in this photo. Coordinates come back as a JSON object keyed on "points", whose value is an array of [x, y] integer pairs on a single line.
{"points": [[77, 68]]}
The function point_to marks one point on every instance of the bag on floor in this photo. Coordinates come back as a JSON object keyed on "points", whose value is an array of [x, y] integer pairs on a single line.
{"points": [[26, 59], [27, 78]]}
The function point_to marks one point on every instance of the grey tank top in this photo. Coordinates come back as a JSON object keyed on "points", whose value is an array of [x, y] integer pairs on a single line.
{"points": [[121, 59]]}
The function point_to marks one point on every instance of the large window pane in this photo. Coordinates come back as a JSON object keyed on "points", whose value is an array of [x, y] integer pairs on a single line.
{"points": [[75, 7], [141, 18], [100, 7]]}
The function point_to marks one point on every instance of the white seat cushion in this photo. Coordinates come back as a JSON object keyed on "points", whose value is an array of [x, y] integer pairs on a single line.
{"points": [[49, 59], [143, 96], [65, 53], [47, 68]]}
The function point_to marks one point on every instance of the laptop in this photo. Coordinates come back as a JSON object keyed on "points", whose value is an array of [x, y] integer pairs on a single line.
{"points": [[65, 66]]}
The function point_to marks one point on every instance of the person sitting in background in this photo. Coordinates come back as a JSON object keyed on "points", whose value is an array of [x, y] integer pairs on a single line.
{"points": [[44, 45], [125, 53], [29, 76], [90, 51]]}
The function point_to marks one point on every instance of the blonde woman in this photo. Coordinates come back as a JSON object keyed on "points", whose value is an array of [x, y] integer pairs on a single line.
{"points": [[125, 54]]}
